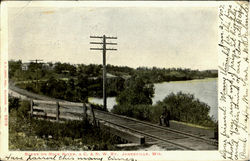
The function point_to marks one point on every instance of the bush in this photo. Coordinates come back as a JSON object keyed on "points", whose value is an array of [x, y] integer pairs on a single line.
{"points": [[182, 107], [137, 91], [142, 112], [72, 129], [24, 108], [13, 103]]}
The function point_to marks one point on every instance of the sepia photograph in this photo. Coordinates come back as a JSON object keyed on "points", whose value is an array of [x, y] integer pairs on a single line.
{"points": [[124, 81], [112, 78]]}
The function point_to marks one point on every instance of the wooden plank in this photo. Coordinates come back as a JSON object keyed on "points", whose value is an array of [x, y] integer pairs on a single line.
{"points": [[70, 104], [63, 112], [57, 111], [47, 110], [67, 117], [53, 109], [64, 116], [31, 108], [61, 103], [123, 133], [43, 108], [43, 114], [93, 116], [85, 115], [127, 145], [44, 102]]}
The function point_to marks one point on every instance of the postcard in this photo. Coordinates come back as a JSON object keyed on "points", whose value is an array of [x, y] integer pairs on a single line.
{"points": [[124, 80]]}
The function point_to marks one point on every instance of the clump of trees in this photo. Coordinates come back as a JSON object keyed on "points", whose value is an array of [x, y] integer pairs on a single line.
{"points": [[186, 108], [158, 75], [15, 68], [74, 89], [136, 91], [140, 111], [71, 90], [183, 107], [136, 99]]}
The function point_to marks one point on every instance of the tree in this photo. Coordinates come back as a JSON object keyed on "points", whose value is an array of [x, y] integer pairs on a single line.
{"points": [[82, 87], [184, 107], [136, 92], [14, 67]]}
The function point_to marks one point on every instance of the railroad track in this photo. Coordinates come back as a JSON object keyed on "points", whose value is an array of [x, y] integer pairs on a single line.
{"points": [[158, 134], [167, 138], [162, 136]]}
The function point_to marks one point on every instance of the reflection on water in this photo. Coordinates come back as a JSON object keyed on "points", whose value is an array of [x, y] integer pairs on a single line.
{"points": [[204, 89], [110, 101]]}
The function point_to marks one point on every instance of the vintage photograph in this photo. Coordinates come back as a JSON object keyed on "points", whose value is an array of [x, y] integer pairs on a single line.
{"points": [[113, 78]]}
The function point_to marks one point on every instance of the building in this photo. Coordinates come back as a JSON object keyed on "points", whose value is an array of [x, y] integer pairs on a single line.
{"points": [[46, 66], [25, 66]]}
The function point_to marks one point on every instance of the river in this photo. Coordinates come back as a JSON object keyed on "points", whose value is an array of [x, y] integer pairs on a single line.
{"points": [[203, 89]]}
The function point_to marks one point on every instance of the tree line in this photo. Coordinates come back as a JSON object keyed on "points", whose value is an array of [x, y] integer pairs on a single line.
{"points": [[59, 69]]}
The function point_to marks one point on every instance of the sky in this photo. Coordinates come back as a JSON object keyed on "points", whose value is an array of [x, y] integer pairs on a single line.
{"points": [[163, 37]]}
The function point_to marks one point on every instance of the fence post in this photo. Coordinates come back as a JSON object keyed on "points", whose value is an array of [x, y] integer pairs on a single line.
{"points": [[45, 116], [31, 108], [93, 115], [85, 115], [57, 111]]}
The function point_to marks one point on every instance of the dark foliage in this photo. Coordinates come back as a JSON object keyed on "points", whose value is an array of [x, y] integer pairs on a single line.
{"points": [[182, 107], [13, 103], [136, 92]]}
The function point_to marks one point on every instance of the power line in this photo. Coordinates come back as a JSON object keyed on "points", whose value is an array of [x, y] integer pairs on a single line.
{"points": [[36, 62], [104, 49]]}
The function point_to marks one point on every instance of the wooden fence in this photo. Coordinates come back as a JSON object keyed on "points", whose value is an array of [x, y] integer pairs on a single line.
{"points": [[62, 111]]}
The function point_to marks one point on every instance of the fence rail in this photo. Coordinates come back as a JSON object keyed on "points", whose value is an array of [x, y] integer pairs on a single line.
{"points": [[61, 111]]}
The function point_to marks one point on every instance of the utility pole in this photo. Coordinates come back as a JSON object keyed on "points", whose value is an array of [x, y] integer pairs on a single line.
{"points": [[36, 61], [104, 48]]}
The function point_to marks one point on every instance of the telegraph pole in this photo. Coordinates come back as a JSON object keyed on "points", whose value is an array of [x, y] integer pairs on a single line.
{"points": [[36, 61], [104, 49]]}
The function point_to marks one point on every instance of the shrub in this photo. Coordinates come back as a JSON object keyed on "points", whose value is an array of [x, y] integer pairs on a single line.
{"points": [[182, 107], [24, 108], [13, 103], [137, 91], [142, 112]]}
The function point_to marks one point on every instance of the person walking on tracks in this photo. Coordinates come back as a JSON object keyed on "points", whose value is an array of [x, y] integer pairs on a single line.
{"points": [[164, 119], [167, 118]]}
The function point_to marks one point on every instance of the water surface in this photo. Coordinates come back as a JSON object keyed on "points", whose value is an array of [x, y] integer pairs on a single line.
{"points": [[203, 89]]}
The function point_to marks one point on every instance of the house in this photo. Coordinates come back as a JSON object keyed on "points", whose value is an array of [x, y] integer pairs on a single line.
{"points": [[25, 66], [48, 66]]}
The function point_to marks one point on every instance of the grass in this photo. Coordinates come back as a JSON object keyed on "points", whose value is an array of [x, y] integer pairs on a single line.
{"points": [[27, 134], [193, 125]]}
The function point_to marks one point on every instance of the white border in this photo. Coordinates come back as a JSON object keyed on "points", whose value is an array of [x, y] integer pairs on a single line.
{"points": [[4, 58], [168, 155]]}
